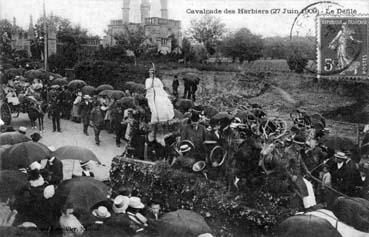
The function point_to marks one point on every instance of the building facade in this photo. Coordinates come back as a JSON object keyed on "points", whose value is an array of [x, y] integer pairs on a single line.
{"points": [[160, 31]]}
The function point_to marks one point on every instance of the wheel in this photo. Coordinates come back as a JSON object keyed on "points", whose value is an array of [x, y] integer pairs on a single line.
{"points": [[6, 113]]}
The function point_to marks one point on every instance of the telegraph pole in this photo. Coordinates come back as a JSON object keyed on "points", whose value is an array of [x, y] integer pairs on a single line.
{"points": [[45, 38]]}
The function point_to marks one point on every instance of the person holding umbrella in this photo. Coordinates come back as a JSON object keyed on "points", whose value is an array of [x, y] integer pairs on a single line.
{"points": [[53, 169], [54, 108], [85, 110], [97, 121], [76, 107], [175, 85]]}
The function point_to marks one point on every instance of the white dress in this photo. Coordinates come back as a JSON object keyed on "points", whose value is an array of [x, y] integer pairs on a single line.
{"points": [[160, 105]]}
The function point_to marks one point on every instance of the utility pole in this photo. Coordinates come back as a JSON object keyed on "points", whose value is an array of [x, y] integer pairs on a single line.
{"points": [[45, 38]]}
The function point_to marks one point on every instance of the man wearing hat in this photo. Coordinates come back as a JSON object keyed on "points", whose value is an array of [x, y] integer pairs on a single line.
{"points": [[138, 222], [54, 169], [35, 137], [97, 121], [86, 169], [22, 130], [85, 111], [54, 101], [196, 133], [345, 176]]}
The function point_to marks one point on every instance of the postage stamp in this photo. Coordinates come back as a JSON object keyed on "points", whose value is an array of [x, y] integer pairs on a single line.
{"points": [[342, 47]]}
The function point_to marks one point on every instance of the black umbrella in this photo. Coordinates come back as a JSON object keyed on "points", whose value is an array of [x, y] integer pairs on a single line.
{"points": [[88, 90], [74, 153], [11, 182], [60, 81], [135, 87], [127, 102], [82, 192], [104, 87], [11, 138], [191, 77], [23, 154], [106, 93], [183, 223], [77, 84]]}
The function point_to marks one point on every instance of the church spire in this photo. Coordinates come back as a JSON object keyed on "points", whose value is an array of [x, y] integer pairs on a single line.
{"points": [[31, 31]]}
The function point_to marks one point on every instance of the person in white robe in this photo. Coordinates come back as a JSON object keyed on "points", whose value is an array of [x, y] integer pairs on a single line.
{"points": [[158, 99]]}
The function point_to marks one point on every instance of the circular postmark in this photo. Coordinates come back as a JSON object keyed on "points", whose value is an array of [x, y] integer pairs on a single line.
{"points": [[323, 43]]}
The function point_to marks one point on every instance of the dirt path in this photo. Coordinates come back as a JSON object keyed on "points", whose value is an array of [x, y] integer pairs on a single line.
{"points": [[72, 135]]}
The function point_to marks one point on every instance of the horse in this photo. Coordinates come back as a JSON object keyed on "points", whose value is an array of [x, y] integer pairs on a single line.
{"points": [[37, 113]]}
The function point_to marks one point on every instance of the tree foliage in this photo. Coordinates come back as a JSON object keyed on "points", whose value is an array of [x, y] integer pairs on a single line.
{"points": [[71, 37], [132, 39], [6, 34], [207, 31], [243, 45]]}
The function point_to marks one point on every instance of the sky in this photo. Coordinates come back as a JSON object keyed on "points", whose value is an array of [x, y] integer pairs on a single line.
{"points": [[95, 15]]}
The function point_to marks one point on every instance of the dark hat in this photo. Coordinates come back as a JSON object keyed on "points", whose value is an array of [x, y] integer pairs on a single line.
{"points": [[195, 117], [36, 136]]}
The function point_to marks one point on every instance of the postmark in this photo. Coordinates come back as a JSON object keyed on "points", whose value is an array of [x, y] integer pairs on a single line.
{"points": [[342, 46]]}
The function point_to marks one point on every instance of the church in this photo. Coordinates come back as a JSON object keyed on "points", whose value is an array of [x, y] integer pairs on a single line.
{"points": [[159, 30]]}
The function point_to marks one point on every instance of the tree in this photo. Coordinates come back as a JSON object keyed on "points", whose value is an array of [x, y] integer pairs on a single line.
{"points": [[243, 45], [132, 39], [296, 62], [71, 37], [186, 49], [207, 31], [6, 34]]}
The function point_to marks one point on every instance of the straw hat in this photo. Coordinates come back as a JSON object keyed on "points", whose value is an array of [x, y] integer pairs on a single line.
{"points": [[120, 204], [22, 130], [49, 191], [101, 212], [341, 155], [135, 202], [35, 165], [198, 166]]}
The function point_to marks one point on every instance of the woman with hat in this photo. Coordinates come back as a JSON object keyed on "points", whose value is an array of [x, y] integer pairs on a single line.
{"points": [[76, 107], [158, 99]]}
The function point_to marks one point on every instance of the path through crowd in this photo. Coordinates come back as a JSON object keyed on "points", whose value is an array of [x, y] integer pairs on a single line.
{"points": [[72, 135]]}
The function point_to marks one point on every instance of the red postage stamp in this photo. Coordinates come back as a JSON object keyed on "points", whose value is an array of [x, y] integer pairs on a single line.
{"points": [[342, 49]]}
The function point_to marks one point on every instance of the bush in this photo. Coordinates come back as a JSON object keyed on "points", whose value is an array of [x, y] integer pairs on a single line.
{"points": [[297, 63], [58, 63], [252, 211]]}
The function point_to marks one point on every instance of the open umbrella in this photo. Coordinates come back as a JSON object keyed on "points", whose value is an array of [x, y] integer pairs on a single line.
{"points": [[11, 138], [135, 87], [11, 182], [82, 192], [56, 86], [222, 116], [23, 154], [191, 77], [183, 223], [104, 87], [60, 81], [88, 90], [117, 94], [77, 84], [32, 74], [127, 102], [338, 143], [106, 93], [75, 153]]}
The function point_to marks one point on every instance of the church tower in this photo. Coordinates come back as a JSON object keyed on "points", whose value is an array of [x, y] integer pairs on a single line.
{"points": [[145, 10], [125, 11], [30, 36]]}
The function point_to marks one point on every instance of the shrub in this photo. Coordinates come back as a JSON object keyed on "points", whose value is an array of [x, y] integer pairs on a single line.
{"points": [[251, 211]]}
